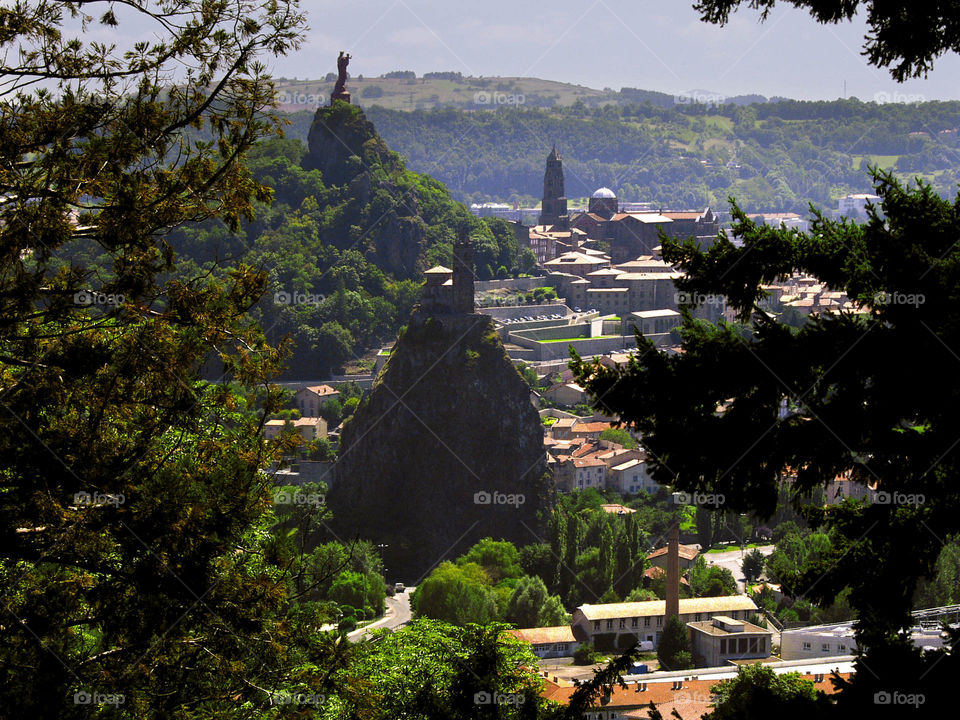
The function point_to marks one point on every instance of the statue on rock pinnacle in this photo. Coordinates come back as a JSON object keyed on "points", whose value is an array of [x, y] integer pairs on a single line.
{"points": [[340, 91]]}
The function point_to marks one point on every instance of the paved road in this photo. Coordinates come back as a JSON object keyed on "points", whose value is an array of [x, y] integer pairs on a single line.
{"points": [[397, 615], [733, 561]]}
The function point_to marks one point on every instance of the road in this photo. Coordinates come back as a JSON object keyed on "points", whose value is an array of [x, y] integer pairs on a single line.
{"points": [[733, 561], [397, 615]]}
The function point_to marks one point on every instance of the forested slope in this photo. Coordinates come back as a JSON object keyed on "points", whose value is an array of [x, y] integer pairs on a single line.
{"points": [[775, 156]]}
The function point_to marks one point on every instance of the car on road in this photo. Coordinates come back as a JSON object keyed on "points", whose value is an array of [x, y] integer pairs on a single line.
{"points": [[399, 587]]}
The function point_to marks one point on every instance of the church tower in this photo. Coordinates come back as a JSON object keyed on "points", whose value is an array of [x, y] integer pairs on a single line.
{"points": [[553, 209], [462, 274]]}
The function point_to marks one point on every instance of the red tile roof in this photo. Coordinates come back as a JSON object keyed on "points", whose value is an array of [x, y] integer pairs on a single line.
{"points": [[691, 699], [539, 636], [656, 571], [688, 552], [592, 427], [588, 462]]}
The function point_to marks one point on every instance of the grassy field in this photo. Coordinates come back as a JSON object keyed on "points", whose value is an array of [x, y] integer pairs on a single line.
{"points": [[402, 94], [884, 161], [728, 548]]}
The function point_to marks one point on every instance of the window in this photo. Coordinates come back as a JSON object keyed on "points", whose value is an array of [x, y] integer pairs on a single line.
{"points": [[723, 646], [646, 622], [806, 646], [623, 623], [609, 624], [633, 622], [742, 645], [596, 624], [825, 647], [698, 617], [659, 620]]}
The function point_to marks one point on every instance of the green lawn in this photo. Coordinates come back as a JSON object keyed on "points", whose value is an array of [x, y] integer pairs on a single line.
{"points": [[719, 122], [598, 337], [884, 161], [728, 548]]}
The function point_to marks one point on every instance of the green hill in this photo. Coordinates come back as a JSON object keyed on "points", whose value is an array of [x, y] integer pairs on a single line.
{"points": [[344, 242], [772, 156]]}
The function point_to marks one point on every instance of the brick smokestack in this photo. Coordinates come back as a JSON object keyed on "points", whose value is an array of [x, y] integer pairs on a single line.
{"points": [[673, 572]]}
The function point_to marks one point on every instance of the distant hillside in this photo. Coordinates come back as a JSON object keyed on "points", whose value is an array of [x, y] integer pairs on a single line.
{"points": [[403, 91], [453, 90], [771, 156]]}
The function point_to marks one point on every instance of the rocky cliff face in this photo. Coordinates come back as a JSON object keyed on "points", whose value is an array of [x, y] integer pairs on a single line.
{"points": [[446, 449]]}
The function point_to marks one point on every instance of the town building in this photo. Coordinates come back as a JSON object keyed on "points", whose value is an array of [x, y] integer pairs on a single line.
{"points": [[562, 428], [549, 642], [855, 205], [628, 231], [688, 555], [567, 394], [577, 263], [818, 641], [310, 428], [617, 625], [788, 220], [837, 639], [722, 639], [631, 477], [579, 474], [630, 234], [309, 399], [603, 203]]}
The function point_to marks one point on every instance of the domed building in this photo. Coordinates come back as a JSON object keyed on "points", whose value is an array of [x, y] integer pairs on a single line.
{"points": [[603, 202]]}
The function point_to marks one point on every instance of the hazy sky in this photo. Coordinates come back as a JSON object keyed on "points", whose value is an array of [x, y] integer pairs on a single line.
{"points": [[650, 44]]}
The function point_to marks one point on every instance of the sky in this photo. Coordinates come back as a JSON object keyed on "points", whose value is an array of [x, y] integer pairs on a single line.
{"points": [[649, 44]]}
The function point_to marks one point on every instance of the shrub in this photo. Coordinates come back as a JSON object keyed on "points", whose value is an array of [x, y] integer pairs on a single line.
{"points": [[586, 654]]}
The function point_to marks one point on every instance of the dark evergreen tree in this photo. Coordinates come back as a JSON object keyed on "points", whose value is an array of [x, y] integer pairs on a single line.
{"points": [[673, 650]]}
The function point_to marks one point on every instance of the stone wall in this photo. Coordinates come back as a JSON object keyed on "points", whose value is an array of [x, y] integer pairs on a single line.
{"points": [[510, 284]]}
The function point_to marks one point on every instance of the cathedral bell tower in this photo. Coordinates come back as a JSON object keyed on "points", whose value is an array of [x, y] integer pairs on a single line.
{"points": [[553, 208]]}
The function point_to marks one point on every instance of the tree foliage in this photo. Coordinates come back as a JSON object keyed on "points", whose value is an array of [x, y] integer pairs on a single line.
{"points": [[905, 39], [867, 396], [753, 563], [710, 580], [673, 650], [456, 594], [136, 524], [759, 692]]}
